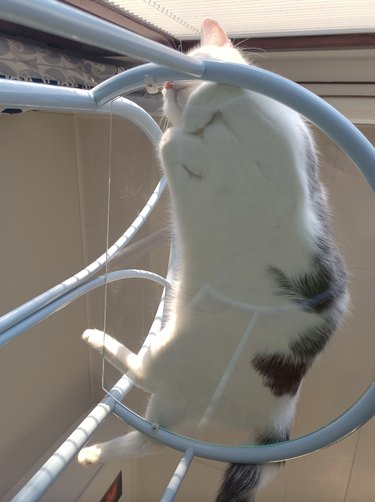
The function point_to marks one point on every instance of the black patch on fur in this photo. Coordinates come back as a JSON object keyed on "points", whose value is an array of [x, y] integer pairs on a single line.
{"points": [[240, 483], [281, 374]]}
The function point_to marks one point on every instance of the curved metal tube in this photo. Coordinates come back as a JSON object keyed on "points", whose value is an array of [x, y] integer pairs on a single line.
{"points": [[72, 23], [58, 18], [360, 150], [362, 153], [134, 80], [50, 98], [319, 112], [33, 96], [65, 299], [37, 486], [348, 422]]}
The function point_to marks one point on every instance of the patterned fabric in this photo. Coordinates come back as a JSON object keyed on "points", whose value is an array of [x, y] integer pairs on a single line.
{"points": [[23, 60]]}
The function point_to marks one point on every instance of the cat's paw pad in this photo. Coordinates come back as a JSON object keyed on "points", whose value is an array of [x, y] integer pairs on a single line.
{"points": [[94, 338], [89, 455]]}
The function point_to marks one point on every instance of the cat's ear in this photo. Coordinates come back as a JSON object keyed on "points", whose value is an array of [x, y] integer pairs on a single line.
{"points": [[213, 34]]}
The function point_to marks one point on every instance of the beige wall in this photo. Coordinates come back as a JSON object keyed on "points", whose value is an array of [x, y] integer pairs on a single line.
{"points": [[54, 192], [44, 379], [54, 181], [134, 173]]}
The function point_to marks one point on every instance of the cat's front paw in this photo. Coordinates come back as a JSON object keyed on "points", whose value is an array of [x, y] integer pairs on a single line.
{"points": [[196, 118], [94, 338], [89, 455]]}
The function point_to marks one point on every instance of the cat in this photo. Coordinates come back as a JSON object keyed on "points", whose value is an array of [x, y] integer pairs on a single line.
{"points": [[251, 228]]}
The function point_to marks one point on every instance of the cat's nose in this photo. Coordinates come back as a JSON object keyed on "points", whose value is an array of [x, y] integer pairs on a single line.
{"points": [[169, 85]]}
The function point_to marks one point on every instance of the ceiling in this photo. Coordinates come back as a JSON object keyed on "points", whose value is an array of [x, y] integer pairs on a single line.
{"points": [[254, 18], [271, 25]]}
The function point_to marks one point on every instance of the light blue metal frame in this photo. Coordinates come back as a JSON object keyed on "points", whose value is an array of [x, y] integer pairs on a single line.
{"points": [[71, 23], [43, 97], [37, 486]]}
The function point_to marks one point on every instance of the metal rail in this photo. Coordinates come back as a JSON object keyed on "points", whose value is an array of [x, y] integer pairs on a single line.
{"points": [[42, 97], [66, 21]]}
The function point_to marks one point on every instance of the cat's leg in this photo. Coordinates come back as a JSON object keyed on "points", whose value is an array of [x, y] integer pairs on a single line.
{"points": [[133, 444], [115, 353], [167, 411], [183, 152], [205, 103], [187, 147]]}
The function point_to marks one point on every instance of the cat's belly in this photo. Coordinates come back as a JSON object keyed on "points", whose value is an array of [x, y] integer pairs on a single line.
{"points": [[211, 381], [234, 415]]}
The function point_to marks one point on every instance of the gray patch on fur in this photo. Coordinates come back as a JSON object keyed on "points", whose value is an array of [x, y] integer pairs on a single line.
{"points": [[313, 291], [321, 289], [326, 256], [312, 341]]}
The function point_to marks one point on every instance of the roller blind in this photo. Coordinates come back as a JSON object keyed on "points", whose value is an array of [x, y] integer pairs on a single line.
{"points": [[255, 18]]}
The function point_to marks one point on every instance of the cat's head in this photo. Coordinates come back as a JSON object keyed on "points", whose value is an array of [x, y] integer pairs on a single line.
{"points": [[214, 45]]}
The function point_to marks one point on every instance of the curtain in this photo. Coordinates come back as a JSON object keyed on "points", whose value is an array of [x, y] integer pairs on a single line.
{"points": [[29, 62]]}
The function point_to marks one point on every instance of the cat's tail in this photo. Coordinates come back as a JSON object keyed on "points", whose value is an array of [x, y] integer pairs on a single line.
{"points": [[241, 482]]}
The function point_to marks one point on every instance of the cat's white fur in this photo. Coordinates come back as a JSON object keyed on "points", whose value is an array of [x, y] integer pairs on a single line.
{"points": [[240, 204]]}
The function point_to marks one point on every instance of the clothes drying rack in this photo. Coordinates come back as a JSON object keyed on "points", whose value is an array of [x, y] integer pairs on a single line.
{"points": [[163, 64]]}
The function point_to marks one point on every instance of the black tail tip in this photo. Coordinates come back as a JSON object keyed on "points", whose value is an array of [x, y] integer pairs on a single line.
{"points": [[240, 483]]}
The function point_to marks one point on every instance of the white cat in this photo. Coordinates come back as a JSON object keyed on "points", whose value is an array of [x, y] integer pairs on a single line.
{"points": [[251, 228]]}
